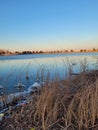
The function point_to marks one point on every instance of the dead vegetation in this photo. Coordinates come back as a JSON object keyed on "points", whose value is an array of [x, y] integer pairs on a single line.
{"points": [[71, 104]]}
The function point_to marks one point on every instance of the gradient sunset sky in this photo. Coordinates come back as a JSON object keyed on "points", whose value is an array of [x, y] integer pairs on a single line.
{"points": [[48, 24]]}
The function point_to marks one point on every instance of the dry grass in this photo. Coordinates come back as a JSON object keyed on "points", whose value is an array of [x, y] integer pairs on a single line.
{"points": [[71, 104]]}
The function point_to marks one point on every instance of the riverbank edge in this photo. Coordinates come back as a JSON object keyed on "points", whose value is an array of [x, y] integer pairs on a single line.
{"points": [[73, 52], [88, 77]]}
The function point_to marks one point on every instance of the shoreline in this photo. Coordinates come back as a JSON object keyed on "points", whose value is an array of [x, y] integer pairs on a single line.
{"points": [[49, 53], [84, 83]]}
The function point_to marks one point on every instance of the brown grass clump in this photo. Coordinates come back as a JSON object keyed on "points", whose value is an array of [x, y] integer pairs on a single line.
{"points": [[71, 104]]}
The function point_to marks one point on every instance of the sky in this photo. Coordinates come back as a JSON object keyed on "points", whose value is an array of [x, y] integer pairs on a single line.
{"points": [[48, 24]]}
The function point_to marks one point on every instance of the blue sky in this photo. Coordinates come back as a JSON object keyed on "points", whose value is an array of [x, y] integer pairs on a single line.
{"points": [[48, 24]]}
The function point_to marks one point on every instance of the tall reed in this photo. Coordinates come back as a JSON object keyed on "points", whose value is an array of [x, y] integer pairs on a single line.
{"points": [[69, 104]]}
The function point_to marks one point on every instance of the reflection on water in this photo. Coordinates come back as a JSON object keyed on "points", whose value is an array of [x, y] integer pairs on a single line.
{"points": [[17, 68]]}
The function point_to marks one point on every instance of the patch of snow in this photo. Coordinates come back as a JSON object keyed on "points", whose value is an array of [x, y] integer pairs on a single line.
{"points": [[36, 85], [1, 116]]}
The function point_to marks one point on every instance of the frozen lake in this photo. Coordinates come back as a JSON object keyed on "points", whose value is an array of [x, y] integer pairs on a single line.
{"points": [[27, 68]]}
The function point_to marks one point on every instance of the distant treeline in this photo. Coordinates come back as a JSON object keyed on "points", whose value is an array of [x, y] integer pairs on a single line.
{"points": [[30, 52], [7, 52]]}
